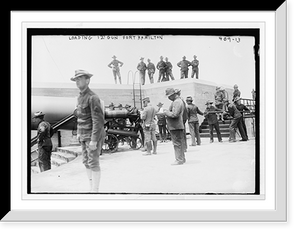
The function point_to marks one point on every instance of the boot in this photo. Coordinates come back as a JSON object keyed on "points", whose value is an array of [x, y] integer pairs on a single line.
{"points": [[154, 147], [89, 175], [95, 181], [149, 148]]}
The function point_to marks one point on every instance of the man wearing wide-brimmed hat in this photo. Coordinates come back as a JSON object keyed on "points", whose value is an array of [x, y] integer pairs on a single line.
{"points": [[175, 124], [116, 68], [184, 67], [162, 123], [242, 108], [161, 66], [90, 127], [195, 67], [142, 67], [192, 112], [210, 114], [44, 134], [149, 126]]}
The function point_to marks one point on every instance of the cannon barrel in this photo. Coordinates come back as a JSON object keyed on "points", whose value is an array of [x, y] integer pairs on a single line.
{"points": [[116, 113], [122, 132]]}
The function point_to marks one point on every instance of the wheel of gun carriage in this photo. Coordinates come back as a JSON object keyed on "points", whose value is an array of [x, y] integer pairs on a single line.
{"points": [[110, 144]]}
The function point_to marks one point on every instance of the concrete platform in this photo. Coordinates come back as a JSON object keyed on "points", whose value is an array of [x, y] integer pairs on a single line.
{"points": [[210, 168]]}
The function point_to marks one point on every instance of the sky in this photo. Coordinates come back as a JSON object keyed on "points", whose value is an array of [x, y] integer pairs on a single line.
{"points": [[222, 60]]}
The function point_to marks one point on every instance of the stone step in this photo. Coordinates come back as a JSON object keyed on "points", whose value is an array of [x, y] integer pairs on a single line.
{"points": [[207, 135], [63, 156], [57, 161]]}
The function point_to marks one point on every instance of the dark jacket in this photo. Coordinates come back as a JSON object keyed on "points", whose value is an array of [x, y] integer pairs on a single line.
{"points": [[192, 111], [44, 134], [242, 108], [233, 111], [210, 114], [175, 115]]}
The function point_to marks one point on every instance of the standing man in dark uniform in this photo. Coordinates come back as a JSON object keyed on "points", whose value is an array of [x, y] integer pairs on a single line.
{"points": [[142, 67], [116, 68], [44, 134], [212, 120], [184, 67], [192, 111], [90, 127], [161, 66], [169, 67], [242, 108], [195, 67], [151, 71], [175, 124], [236, 122]]}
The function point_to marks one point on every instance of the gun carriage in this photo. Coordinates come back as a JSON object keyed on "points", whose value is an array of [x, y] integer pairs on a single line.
{"points": [[123, 126]]}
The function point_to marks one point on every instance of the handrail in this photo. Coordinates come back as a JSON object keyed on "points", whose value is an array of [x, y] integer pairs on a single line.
{"points": [[56, 126]]}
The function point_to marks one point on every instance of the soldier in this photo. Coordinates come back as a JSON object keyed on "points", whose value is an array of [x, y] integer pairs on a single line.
{"points": [[192, 111], [149, 126], [219, 101], [161, 122], [242, 108], [184, 67], [44, 134], [236, 92], [142, 68], [90, 127], [115, 68], [161, 66], [151, 71], [175, 124], [195, 67], [236, 122], [212, 119], [169, 69]]}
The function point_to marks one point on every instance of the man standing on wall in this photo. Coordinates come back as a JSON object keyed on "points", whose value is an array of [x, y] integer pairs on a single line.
{"points": [[90, 127], [151, 71], [184, 67], [142, 68], [116, 68], [195, 67], [169, 67], [161, 66]]}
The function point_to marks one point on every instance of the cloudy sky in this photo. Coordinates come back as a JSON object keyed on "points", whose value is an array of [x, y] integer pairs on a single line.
{"points": [[222, 60]]}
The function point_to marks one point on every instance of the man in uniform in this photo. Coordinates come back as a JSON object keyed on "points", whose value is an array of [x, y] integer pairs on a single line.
{"points": [[149, 126], [242, 108], [184, 67], [161, 66], [219, 101], [192, 111], [212, 119], [116, 68], [195, 67], [175, 124], [142, 67], [236, 92], [169, 69], [151, 71], [90, 127], [161, 122], [236, 122], [44, 134]]}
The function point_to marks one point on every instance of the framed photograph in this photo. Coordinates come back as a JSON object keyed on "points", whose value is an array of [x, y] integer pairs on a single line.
{"points": [[149, 116]]}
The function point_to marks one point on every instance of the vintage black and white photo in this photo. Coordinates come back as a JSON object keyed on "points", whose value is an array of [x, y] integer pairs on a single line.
{"points": [[144, 111]]}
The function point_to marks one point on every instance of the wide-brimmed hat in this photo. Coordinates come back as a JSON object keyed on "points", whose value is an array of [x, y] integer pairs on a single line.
{"points": [[235, 85], [38, 114], [189, 98], [184, 57], [146, 99], [160, 104], [79, 73], [114, 57], [142, 58], [171, 91], [209, 102], [218, 88]]}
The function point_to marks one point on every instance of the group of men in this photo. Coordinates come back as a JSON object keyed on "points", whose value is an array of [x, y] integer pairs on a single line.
{"points": [[164, 68], [91, 133]]}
